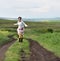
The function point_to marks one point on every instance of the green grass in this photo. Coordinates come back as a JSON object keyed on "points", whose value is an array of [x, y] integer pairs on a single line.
{"points": [[50, 41], [4, 37], [37, 31], [13, 53]]}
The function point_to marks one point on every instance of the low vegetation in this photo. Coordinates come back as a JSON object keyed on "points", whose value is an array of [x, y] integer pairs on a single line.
{"points": [[45, 33]]}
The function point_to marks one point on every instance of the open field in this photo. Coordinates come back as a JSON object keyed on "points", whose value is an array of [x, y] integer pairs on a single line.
{"points": [[47, 34]]}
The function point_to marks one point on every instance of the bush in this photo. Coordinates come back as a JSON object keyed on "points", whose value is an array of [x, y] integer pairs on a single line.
{"points": [[50, 30]]}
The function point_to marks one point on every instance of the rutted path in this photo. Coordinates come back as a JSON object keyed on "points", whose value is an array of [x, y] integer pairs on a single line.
{"points": [[38, 53], [4, 48]]}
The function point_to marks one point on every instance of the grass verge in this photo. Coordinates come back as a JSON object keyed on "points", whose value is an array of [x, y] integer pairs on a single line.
{"points": [[50, 41], [4, 37], [13, 53]]}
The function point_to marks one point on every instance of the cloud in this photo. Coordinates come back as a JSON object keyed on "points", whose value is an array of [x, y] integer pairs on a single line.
{"points": [[40, 10], [29, 7], [35, 10], [39, 6]]}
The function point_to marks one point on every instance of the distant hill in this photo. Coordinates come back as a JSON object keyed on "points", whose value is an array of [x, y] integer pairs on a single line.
{"points": [[33, 19]]}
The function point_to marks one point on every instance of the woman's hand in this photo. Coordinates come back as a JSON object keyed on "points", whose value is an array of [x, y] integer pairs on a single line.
{"points": [[26, 25], [15, 24]]}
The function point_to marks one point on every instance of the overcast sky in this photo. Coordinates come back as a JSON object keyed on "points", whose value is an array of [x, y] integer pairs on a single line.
{"points": [[30, 8]]}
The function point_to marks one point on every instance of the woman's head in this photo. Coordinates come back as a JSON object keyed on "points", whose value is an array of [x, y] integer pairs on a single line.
{"points": [[19, 19]]}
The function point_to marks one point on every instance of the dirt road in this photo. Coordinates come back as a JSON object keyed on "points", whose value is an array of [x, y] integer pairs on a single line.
{"points": [[38, 53], [4, 48]]}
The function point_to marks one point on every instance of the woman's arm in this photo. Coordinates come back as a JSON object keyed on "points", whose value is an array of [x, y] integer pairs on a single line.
{"points": [[25, 24], [16, 24]]}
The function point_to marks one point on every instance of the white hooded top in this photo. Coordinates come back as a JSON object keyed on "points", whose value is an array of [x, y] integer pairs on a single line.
{"points": [[21, 24]]}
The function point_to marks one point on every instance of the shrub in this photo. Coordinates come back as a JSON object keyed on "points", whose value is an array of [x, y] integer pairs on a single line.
{"points": [[50, 30]]}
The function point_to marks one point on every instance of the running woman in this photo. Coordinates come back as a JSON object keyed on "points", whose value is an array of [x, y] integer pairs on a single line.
{"points": [[20, 29]]}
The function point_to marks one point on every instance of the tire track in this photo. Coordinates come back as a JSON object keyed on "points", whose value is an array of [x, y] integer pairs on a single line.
{"points": [[4, 48], [38, 53]]}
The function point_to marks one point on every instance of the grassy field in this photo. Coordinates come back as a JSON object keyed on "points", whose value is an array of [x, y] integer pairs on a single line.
{"points": [[50, 41], [13, 53], [5, 31], [46, 33], [4, 37]]}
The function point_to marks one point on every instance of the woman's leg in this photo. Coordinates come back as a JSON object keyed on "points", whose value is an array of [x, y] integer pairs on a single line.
{"points": [[20, 37], [20, 33]]}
